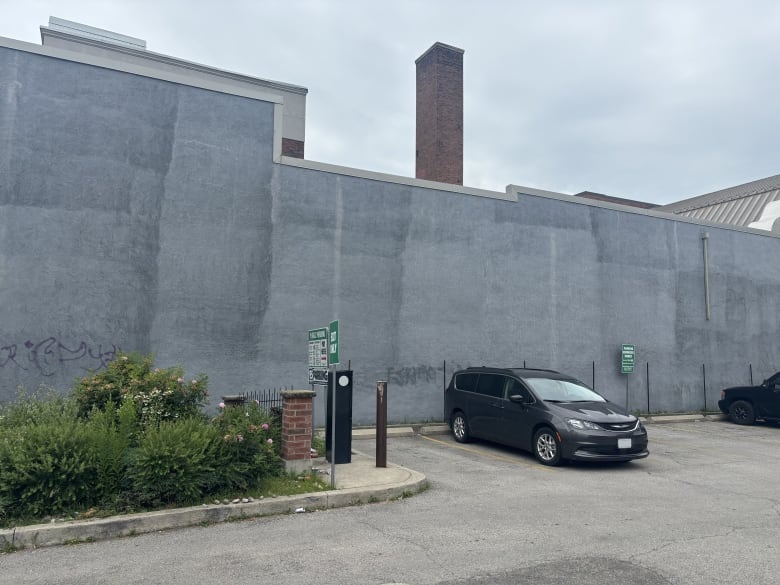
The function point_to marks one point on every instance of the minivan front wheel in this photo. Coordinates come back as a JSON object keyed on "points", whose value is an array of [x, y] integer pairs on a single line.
{"points": [[547, 447], [460, 427]]}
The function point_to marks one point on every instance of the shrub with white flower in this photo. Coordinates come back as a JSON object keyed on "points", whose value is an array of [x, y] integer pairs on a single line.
{"points": [[159, 394]]}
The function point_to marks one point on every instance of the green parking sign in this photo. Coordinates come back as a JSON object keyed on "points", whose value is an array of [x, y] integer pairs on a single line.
{"points": [[627, 356], [333, 343]]}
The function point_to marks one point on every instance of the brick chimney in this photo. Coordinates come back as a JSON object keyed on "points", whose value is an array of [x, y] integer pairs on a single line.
{"points": [[440, 114]]}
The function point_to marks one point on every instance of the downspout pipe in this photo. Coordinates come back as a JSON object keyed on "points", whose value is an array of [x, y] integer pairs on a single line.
{"points": [[705, 248]]}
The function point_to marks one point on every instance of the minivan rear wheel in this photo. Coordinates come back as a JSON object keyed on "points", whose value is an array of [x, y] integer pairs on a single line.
{"points": [[547, 447], [460, 427]]}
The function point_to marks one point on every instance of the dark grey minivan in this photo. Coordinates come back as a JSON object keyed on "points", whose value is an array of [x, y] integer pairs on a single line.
{"points": [[554, 416]]}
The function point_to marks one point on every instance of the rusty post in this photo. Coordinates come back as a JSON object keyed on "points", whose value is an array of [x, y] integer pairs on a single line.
{"points": [[381, 424]]}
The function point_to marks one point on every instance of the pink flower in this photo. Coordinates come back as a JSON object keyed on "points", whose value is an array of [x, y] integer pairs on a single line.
{"points": [[180, 380], [265, 426], [222, 405], [239, 438], [270, 441]]}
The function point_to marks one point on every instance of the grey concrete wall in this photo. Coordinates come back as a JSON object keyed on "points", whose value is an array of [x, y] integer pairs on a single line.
{"points": [[145, 215], [422, 277], [134, 213]]}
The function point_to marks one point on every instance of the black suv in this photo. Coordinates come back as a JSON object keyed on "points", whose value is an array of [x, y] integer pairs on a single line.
{"points": [[744, 404], [550, 414]]}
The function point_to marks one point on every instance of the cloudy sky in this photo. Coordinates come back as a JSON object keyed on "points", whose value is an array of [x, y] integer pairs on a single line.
{"points": [[655, 100]]}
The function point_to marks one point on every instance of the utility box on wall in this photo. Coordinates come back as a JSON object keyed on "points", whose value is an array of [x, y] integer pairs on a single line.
{"points": [[343, 422]]}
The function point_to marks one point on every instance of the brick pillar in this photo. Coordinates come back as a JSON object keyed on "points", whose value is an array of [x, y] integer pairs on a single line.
{"points": [[439, 155], [297, 428]]}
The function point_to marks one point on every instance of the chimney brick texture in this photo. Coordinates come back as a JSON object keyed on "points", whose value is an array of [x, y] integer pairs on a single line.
{"points": [[439, 154], [293, 148]]}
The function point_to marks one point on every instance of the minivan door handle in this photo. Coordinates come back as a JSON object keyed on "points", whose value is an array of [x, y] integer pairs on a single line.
{"points": [[497, 404]]}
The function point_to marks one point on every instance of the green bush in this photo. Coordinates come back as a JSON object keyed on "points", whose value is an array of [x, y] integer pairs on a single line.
{"points": [[43, 405], [250, 446], [4, 504], [127, 438], [47, 468], [175, 462], [46, 462], [113, 434], [159, 394]]}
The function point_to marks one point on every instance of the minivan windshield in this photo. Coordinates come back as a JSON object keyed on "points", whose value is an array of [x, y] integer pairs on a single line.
{"points": [[562, 390]]}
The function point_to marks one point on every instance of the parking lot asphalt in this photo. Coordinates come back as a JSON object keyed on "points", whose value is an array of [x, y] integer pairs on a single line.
{"points": [[357, 482], [702, 509]]}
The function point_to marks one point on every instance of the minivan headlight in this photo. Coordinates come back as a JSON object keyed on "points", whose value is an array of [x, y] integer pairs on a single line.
{"points": [[582, 425]]}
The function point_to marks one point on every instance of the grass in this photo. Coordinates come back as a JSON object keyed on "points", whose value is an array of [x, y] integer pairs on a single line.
{"points": [[290, 485]]}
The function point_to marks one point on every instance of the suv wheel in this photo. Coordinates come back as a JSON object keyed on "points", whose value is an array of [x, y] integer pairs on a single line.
{"points": [[460, 427], [742, 413], [547, 447]]}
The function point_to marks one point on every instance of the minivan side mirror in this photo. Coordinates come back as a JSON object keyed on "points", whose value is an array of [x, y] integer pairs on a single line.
{"points": [[519, 399]]}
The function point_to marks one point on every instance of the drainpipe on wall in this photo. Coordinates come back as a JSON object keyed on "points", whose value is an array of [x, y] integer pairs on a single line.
{"points": [[704, 240]]}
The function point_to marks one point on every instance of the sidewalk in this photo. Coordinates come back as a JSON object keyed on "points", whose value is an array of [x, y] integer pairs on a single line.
{"points": [[357, 482]]}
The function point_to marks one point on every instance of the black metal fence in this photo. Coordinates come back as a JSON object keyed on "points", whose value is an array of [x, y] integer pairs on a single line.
{"points": [[699, 391], [270, 399]]}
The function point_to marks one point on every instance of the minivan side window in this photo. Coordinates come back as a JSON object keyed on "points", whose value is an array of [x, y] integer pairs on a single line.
{"points": [[467, 382], [491, 385], [516, 387]]}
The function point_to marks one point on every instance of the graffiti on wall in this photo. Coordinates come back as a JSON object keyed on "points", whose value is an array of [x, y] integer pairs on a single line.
{"points": [[49, 356], [422, 374]]}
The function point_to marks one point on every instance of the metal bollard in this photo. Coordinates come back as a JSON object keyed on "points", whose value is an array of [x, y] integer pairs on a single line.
{"points": [[381, 424]]}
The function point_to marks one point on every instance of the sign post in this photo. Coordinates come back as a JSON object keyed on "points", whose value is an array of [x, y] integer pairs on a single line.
{"points": [[318, 356], [627, 358], [627, 354], [333, 343], [333, 360]]}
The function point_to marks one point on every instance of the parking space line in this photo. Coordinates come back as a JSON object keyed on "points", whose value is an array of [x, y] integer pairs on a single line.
{"points": [[489, 455]]}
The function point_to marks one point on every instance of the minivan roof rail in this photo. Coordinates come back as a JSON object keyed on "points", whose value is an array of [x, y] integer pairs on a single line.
{"points": [[486, 368], [512, 368]]}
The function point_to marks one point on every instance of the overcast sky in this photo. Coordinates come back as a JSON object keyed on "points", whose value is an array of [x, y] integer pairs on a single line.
{"points": [[655, 100]]}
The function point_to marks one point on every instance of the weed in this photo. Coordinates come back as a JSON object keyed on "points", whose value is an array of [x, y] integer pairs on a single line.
{"points": [[318, 444], [79, 540]]}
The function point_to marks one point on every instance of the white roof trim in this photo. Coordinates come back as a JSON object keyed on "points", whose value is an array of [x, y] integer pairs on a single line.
{"points": [[397, 179], [667, 215], [180, 78], [90, 32]]}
